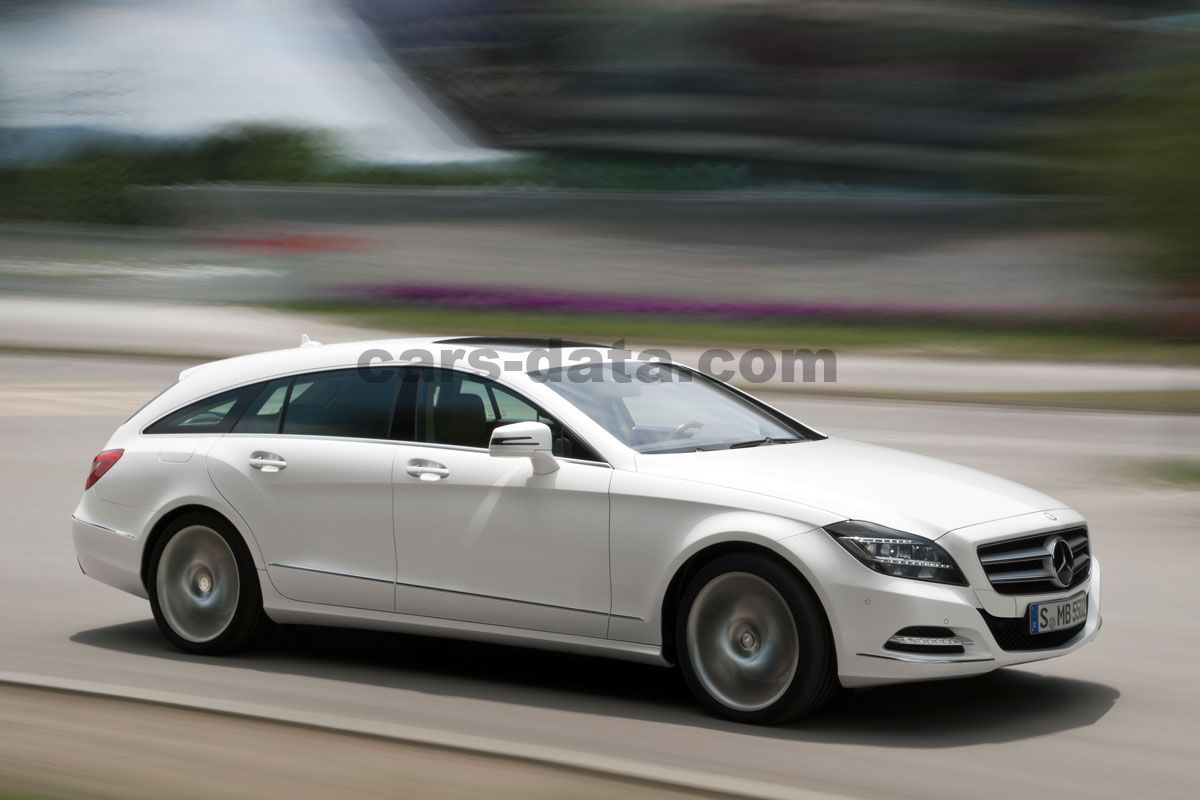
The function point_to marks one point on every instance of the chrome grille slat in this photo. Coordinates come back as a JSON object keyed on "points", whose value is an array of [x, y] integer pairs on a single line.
{"points": [[1032, 554], [1020, 576], [1017, 566]]}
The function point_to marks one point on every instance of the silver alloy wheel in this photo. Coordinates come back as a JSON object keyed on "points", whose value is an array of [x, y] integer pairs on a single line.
{"points": [[742, 641], [198, 583]]}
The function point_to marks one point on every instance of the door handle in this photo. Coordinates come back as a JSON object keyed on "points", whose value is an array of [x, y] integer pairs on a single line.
{"points": [[267, 462], [427, 470]]}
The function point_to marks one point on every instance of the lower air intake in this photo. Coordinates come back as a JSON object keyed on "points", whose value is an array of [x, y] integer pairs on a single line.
{"points": [[1012, 633]]}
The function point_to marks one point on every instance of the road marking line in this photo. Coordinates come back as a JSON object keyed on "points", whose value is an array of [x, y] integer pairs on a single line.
{"points": [[612, 766]]}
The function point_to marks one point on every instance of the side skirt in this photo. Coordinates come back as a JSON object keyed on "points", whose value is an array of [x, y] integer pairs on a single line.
{"points": [[292, 612]]}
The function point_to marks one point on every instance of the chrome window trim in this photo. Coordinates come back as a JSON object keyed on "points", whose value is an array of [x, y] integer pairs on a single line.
{"points": [[404, 442], [293, 375], [236, 386]]}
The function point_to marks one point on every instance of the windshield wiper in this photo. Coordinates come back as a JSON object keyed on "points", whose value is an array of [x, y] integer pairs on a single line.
{"points": [[704, 448], [762, 441]]}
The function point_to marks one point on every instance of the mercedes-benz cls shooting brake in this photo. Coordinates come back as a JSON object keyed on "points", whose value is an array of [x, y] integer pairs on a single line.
{"points": [[601, 505]]}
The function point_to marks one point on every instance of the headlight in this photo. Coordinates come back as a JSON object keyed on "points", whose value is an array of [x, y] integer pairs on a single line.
{"points": [[900, 555]]}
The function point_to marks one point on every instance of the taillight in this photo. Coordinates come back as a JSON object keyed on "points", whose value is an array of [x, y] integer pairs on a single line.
{"points": [[100, 465]]}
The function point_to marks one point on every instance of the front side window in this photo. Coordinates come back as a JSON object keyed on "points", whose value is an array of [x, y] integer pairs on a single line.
{"points": [[458, 409], [350, 403], [659, 408], [215, 414]]}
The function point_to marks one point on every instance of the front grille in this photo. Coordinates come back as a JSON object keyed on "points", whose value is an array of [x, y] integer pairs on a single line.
{"points": [[1019, 566], [1012, 633]]}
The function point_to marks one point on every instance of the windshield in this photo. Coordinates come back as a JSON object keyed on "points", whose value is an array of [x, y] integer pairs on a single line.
{"points": [[659, 408]]}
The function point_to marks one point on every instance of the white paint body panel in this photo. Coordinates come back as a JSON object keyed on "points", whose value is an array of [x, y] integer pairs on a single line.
{"points": [[494, 543], [578, 559], [324, 524], [854, 480]]}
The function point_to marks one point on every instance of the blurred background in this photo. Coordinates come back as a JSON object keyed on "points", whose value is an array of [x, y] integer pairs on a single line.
{"points": [[986, 208], [977, 177]]}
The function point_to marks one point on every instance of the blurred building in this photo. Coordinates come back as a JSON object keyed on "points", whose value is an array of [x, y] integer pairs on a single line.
{"points": [[942, 91]]}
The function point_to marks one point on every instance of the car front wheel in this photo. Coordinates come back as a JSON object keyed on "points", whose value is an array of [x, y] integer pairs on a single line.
{"points": [[754, 645]]}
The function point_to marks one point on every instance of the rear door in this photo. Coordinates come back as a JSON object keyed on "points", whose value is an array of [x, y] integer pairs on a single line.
{"points": [[309, 468]]}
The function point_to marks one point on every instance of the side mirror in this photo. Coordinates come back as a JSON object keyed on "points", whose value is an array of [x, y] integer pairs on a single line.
{"points": [[531, 440]]}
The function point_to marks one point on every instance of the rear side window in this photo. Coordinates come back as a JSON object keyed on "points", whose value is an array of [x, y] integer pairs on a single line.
{"points": [[215, 414], [266, 411], [347, 402]]}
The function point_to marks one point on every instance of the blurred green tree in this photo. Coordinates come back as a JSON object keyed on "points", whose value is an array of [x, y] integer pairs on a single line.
{"points": [[90, 185], [262, 153]]}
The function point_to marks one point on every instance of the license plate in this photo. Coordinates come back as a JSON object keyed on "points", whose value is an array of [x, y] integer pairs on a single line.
{"points": [[1047, 617]]}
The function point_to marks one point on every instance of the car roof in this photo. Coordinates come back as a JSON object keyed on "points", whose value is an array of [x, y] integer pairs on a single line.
{"points": [[520, 342], [512, 354], [229, 372]]}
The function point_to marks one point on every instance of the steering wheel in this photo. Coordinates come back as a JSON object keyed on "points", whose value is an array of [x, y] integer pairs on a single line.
{"points": [[684, 427]]}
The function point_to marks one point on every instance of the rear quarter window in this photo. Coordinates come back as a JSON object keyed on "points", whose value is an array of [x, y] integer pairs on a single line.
{"points": [[215, 414]]}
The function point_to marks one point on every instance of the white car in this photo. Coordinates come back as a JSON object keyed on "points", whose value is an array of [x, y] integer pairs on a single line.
{"points": [[601, 505]]}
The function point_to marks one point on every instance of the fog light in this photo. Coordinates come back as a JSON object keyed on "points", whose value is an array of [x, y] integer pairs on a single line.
{"points": [[928, 641]]}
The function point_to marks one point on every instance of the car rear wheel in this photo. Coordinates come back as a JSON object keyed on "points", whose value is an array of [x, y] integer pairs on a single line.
{"points": [[204, 588], [754, 645]]}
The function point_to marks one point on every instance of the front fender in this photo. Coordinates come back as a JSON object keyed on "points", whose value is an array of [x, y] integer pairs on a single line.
{"points": [[652, 537]]}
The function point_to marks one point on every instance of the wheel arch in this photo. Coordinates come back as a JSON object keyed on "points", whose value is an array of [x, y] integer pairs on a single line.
{"points": [[701, 558], [163, 522]]}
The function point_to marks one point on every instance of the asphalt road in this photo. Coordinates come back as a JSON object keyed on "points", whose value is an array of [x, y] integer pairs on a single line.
{"points": [[1120, 718], [159, 752]]}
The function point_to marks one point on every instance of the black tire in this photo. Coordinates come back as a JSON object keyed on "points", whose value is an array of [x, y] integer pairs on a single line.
{"points": [[814, 677], [248, 622]]}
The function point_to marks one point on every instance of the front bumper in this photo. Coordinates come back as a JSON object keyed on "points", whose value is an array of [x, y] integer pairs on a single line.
{"points": [[865, 609], [863, 661]]}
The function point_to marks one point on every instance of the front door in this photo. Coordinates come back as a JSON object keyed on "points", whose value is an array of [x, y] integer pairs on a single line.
{"points": [[483, 539]]}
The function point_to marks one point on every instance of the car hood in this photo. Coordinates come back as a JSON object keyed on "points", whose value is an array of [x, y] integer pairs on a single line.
{"points": [[854, 480]]}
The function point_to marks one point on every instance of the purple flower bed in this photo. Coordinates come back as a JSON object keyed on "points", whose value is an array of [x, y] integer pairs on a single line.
{"points": [[498, 298]]}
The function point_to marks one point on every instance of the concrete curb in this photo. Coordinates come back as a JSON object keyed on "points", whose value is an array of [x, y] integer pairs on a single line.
{"points": [[607, 766]]}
